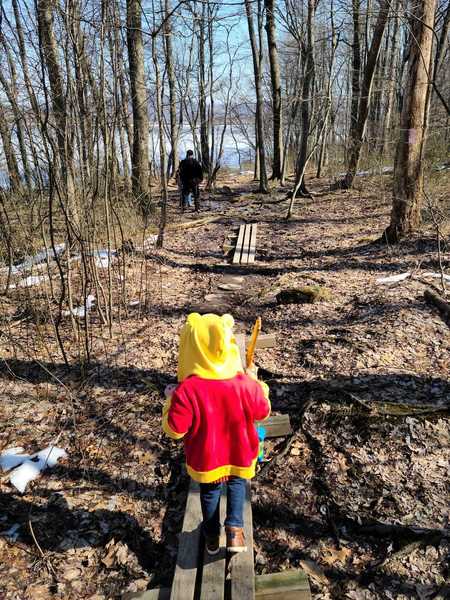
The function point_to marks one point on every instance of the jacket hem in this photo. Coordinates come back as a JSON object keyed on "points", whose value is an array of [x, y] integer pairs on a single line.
{"points": [[223, 471]]}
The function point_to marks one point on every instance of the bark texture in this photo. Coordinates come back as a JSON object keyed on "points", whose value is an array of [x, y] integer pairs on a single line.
{"points": [[408, 167]]}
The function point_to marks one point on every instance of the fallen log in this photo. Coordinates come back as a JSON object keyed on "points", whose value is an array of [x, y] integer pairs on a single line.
{"points": [[196, 223], [438, 302]]}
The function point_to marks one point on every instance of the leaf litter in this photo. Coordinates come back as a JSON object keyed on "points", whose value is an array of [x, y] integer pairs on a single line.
{"points": [[361, 499]]}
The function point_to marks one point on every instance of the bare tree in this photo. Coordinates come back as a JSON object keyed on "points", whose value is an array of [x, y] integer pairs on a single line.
{"points": [[257, 68], [140, 168], [408, 169], [277, 172], [358, 128]]}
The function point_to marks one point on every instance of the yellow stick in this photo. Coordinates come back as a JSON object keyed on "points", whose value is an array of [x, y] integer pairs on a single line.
{"points": [[252, 345]]}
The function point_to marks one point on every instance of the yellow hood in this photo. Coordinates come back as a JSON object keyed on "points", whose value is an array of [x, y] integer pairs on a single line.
{"points": [[208, 348]]}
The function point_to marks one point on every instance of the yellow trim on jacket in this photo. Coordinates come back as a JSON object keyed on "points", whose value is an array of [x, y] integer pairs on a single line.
{"points": [[223, 471]]}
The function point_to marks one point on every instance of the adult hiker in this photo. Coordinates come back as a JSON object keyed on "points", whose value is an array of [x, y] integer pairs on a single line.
{"points": [[214, 407], [190, 175]]}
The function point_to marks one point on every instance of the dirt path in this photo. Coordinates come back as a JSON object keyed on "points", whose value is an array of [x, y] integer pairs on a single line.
{"points": [[353, 485]]}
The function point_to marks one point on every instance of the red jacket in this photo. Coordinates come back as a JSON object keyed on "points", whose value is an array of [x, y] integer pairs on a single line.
{"points": [[216, 419]]}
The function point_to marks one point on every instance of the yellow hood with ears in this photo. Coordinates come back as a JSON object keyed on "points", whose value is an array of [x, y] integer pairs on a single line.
{"points": [[208, 348]]}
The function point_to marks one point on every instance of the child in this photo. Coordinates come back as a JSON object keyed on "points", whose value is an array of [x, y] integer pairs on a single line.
{"points": [[214, 408]]}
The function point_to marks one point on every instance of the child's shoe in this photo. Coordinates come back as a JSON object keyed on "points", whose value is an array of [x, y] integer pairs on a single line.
{"points": [[235, 539], [212, 544]]}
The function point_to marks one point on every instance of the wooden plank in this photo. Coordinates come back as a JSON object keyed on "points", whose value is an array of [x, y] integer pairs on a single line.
{"points": [[214, 567], [216, 308], [266, 340], [245, 244], [242, 568], [287, 585], [183, 585], [240, 341], [276, 425], [155, 594], [252, 246], [240, 240]]}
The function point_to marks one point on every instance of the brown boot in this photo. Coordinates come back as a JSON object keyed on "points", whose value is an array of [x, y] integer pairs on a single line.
{"points": [[235, 539]]}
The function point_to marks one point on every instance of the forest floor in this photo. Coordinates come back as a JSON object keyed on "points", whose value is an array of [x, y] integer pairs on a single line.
{"points": [[360, 500]]}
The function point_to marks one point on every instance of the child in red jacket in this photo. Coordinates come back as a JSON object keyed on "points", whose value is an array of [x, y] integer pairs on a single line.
{"points": [[214, 408]]}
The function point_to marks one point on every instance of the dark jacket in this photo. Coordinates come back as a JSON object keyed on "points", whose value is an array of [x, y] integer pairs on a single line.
{"points": [[189, 170]]}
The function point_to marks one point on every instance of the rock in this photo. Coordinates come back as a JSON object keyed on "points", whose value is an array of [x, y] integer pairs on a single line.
{"points": [[304, 295]]}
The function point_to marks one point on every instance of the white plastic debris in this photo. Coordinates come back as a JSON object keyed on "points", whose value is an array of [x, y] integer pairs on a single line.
{"points": [[394, 278], [33, 465], [80, 311]]}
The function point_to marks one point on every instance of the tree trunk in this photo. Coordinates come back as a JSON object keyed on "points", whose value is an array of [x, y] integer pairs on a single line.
{"points": [[356, 69], [306, 103], [204, 131], [140, 169], [357, 133], [11, 161], [408, 168], [263, 184], [64, 136], [391, 81], [173, 157], [275, 78]]}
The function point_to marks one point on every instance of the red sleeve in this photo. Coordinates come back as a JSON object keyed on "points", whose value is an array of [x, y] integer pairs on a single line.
{"points": [[260, 400], [177, 415]]}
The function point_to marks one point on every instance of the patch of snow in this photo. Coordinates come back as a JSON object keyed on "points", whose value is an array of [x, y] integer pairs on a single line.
{"points": [[29, 281], [436, 275], [12, 457], [33, 466], [36, 259], [394, 278], [80, 311]]}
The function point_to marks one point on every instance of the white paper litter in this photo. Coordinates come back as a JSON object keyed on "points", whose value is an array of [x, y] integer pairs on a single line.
{"points": [[394, 278], [80, 311], [31, 466]]}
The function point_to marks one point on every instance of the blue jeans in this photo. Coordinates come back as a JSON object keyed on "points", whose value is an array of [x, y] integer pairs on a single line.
{"points": [[210, 502]]}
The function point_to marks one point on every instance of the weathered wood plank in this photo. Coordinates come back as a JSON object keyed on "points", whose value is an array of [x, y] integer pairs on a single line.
{"points": [[216, 308], [246, 244], [242, 568], [240, 341], [252, 245], [155, 594], [183, 585], [287, 585], [266, 340], [238, 251], [276, 425], [214, 567]]}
